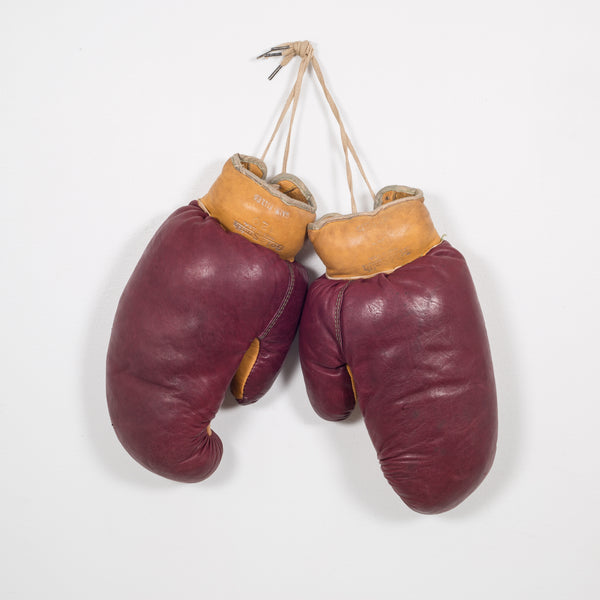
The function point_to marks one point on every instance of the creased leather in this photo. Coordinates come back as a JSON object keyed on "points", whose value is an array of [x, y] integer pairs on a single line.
{"points": [[197, 298], [416, 344]]}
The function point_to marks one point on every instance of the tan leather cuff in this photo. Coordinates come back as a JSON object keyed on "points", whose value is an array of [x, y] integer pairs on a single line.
{"points": [[397, 231], [273, 213]]}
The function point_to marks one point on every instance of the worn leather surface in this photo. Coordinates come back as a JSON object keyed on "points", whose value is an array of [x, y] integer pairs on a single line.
{"points": [[197, 299], [416, 345], [273, 212], [360, 245]]}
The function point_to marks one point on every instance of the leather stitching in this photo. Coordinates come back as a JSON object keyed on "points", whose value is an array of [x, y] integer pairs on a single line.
{"points": [[282, 306], [337, 316], [271, 324]]}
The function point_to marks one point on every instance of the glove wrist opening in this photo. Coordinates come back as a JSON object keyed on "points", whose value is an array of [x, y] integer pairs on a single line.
{"points": [[273, 213], [397, 231]]}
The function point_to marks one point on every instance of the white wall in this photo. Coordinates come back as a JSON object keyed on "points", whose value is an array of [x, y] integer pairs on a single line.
{"points": [[112, 114]]}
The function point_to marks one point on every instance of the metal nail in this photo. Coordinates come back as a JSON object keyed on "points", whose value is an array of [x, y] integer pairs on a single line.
{"points": [[274, 51], [275, 72]]}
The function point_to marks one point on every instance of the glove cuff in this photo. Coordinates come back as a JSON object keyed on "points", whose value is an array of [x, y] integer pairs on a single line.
{"points": [[273, 213], [397, 231]]}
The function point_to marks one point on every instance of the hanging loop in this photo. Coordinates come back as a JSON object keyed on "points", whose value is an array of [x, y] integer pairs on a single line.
{"points": [[305, 51]]}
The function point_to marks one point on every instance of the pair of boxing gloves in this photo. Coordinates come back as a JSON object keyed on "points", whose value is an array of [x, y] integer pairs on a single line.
{"points": [[393, 326]]}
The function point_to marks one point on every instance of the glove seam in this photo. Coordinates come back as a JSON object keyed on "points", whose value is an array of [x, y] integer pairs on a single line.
{"points": [[270, 325], [337, 315], [282, 306]]}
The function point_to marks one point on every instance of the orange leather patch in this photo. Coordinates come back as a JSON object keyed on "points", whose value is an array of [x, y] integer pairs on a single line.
{"points": [[353, 385], [271, 213], [362, 245], [241, 376]]}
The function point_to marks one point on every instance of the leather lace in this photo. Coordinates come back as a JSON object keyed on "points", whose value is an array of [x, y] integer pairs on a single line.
{"points": [[306, 52]]}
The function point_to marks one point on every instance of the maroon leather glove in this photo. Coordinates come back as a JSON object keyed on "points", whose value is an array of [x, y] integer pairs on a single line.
{"points": [[215, 300], [396, 326]]}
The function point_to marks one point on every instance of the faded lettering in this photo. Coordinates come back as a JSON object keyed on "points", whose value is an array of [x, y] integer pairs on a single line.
{"points": [[277, 210], [250, 231], [390, 256]]}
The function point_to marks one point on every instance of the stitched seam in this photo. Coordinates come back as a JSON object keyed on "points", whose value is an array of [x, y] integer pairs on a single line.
{"points": [[337, 316], [282, 306]]}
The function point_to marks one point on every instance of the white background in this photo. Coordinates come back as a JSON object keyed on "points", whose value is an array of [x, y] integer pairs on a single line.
{"points": [[112, 114]]}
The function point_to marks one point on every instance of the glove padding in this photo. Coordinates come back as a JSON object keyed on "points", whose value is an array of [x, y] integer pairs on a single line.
{"points": [[396, 326], [215, 300]]}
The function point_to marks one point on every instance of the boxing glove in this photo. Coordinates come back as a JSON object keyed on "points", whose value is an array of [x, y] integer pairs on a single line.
{"points": [[395, 326], [214, 301]]}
